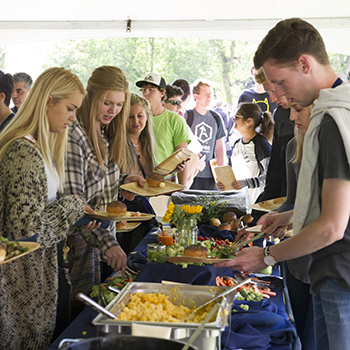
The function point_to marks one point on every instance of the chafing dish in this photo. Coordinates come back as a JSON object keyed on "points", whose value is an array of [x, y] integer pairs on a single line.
{"points": [[188, 295]]}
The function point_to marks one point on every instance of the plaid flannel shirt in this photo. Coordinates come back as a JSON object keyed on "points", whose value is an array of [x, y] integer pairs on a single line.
{"points": [[95, 186]]}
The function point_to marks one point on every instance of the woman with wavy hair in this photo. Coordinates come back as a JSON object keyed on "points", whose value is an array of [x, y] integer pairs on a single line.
{"points": [[32, 171], [97, 145], [140, 161]]}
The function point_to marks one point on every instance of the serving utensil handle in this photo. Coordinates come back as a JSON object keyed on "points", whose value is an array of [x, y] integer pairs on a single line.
{"points": [[200, 328], [88, 301]]}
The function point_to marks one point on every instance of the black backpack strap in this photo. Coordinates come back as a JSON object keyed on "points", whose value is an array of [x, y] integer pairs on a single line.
{"points": [[216, 116], [190, 117]]}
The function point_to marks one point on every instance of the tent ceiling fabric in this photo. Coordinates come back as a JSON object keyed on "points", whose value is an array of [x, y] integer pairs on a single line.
{"points": [[249, 20]]}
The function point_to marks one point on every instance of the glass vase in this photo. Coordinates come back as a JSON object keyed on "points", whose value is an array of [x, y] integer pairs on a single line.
{"points": [[187, 233]]}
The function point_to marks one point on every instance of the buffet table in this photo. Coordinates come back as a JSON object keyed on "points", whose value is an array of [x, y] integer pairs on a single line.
{"points": [[264, 326]]}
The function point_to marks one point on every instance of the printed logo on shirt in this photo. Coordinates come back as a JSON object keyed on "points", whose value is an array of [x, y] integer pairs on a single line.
{"points": [[203, 132], [266, 101]]}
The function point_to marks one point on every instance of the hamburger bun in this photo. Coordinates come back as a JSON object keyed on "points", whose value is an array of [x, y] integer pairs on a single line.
{"points": [[228, 216], [236, 224], [215, 222], [121, 225], [116, 208], [195, 250], [246, 219], [155, 179], [225, 226]]}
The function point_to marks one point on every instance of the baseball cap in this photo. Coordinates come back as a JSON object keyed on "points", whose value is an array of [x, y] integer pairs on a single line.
{"points": [[152, 78]]}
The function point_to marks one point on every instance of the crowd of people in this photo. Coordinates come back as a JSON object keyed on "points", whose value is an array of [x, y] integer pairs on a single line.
{"points": [[65, 150]]}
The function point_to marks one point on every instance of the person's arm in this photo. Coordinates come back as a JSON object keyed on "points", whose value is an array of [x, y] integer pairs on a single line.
{"points": [[220, 151], [183, 175], [327, 229], [253, 182]]}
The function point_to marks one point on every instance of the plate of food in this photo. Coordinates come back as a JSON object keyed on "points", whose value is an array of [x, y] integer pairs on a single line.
{"points": [[12, 250], [153, 186], [193, 259], [269, 205], [196, 253], [128, 216], [124, 226], [168, 165], [117, 211], [254, 229]]}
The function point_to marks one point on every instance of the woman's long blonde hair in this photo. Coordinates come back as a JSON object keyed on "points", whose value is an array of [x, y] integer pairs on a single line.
{"points": [[299, 144], [145, 138], [32, 119], [103, 80], [299, 138]]}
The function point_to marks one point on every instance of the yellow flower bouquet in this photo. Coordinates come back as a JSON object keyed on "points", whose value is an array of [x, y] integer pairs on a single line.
{"points": [[180, 216], [185, 219]]}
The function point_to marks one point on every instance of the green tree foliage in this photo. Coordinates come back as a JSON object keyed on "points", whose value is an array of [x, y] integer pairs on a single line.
{"points": [[225, 63], [341, 65]]}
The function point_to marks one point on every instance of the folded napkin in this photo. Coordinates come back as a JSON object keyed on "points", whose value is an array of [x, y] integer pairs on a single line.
{"points": [[212, 231], [137, 260]]}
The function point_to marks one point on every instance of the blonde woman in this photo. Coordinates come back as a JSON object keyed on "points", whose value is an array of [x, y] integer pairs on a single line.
{"points": [[140, 156], [97, 145], [32, 159], [140, 140]]}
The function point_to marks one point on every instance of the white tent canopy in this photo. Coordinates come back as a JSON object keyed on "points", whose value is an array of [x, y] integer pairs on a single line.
{"points": [[43, 20]]}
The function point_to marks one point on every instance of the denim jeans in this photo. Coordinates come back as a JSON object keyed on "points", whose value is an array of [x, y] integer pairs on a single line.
{"points": [[332, 316]]}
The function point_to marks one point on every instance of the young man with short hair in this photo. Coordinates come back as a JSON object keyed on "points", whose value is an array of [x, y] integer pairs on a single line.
{"points": [[283, 132], [209, 129], [23, 83], [173, 100], [6, 88], [185, 87], [294, 59], [169, 129], [257, 95]]}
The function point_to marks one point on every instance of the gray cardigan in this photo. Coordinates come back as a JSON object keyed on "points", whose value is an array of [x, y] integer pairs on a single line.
{"points": [[29, 285]]}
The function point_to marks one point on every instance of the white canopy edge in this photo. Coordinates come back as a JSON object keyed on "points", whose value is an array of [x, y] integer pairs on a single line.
{"points": [[335, 30]]}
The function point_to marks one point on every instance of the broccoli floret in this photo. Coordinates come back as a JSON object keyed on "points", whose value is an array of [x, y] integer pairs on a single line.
{"points": [[244, 307], [243, 293], [95, 293]]}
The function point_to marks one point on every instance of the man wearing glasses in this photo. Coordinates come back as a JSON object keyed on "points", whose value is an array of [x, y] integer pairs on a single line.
{"points": [[169, 129], [209, 130]]}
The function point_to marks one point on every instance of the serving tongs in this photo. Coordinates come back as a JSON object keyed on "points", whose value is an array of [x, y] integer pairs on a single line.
{"points": [[228, 291], [259, 283], [104, 302]]}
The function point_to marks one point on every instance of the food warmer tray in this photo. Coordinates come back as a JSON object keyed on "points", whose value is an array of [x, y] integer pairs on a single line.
{"points": [[188, 295]]}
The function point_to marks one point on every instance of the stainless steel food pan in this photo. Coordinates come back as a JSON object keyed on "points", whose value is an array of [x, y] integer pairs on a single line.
{"points": [[187, 295]]}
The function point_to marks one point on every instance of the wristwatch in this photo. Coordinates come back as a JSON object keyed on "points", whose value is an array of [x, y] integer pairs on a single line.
{"points": [[269, 260]]}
